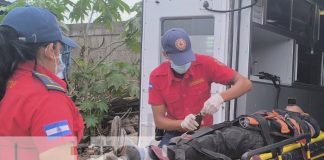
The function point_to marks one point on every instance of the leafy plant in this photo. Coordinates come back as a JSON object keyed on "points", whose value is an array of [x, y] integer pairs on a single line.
{"points": [[133, 29], [94, 86], [94, 83]]}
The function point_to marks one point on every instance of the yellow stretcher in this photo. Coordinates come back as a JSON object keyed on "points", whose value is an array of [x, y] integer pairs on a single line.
{"points": [[288, 148]]}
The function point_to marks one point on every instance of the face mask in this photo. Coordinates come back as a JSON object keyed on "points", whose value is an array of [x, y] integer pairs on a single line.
{"points": [[59, 68], [181, 69]]}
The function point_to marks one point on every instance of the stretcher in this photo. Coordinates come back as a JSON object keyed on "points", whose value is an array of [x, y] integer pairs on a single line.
{"points": [[290, 150]]}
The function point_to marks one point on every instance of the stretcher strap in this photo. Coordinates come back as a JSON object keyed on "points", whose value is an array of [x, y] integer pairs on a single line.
{"points": [[305, 151], [279, 119], [204, 131], [265, 130], [303, 126]]}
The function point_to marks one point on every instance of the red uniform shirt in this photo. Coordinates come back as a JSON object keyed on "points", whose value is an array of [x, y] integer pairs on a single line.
{"points": [[187, 96], [30, 109]]}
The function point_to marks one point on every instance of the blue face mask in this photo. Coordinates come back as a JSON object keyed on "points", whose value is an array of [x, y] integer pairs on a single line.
{"points": [[59, 69], [181, 69]]}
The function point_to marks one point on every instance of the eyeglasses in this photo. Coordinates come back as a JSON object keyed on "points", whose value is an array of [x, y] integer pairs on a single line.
{"points": [[57, 44], [65, 49]]}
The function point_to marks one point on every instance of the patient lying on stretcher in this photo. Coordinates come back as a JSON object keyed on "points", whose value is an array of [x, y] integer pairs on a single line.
{"points": [[246, 133]]}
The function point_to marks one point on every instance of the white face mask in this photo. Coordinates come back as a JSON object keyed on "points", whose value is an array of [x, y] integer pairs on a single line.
{"points": [[181, 69]]}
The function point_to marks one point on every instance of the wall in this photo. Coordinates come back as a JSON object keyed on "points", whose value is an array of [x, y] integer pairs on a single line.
{"points": [[272, 53], [98, 34]]}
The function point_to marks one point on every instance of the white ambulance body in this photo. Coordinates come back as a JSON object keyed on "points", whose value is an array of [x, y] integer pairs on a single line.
{"points": [[280, 37]]}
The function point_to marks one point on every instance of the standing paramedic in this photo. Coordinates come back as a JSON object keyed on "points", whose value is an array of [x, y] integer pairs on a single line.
{"points": [[180, 87], [33, 100]]}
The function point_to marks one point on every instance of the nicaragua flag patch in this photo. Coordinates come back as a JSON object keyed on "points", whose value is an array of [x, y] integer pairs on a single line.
{"points": [[57, 129]]}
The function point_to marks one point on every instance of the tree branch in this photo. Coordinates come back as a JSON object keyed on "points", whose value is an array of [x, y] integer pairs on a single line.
{"points": [[76, 63], [104, 58], [101, 44]]}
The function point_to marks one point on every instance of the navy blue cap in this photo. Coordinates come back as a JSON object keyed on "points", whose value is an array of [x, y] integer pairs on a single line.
{"points": [[177, 45], [36, 25]]}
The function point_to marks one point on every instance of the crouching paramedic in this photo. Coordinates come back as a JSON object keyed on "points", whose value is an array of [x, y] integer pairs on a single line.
{"points": [[180, 87], [233, 139], [38, 119]]}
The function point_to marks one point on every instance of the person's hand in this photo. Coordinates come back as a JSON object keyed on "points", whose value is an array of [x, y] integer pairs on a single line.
{"points": [[212, 105], [189, 123]]}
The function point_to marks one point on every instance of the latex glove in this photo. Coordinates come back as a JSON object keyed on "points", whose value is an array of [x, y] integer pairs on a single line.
{"points": [[189, 123], [212, 105]]}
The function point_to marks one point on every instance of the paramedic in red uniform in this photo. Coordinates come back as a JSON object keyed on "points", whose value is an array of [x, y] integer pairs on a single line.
{"points": [[34, 102], [180, 87]]}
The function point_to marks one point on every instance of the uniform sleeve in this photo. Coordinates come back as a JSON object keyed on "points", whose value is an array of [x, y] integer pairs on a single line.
{"points": [[52, 121], [219, 72], [155, 96]]}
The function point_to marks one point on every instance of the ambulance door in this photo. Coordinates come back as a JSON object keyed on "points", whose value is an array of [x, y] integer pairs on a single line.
{"points": [[208, 34]]}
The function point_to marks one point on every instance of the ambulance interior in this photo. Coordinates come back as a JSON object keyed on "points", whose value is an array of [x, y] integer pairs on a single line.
{"points": [[293, 52], [286, 61]]}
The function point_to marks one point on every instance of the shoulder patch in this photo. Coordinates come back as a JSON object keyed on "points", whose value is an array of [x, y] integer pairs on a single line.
{"points": [[150, 86], [48, 82], [57, 129]]}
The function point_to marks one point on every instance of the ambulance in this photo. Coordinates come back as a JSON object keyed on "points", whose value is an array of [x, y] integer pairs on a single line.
{"points": [[277, 44]]}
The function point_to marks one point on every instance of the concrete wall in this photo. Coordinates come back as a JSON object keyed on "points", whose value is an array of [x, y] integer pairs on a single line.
{"points": [[98, 34]]}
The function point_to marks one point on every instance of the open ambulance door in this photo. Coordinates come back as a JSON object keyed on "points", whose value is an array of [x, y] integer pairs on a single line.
{"points": [[209, 35]]}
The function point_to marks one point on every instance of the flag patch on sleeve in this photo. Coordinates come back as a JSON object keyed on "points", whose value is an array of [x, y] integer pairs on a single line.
{"points": [[150, 86], [57, 129]]}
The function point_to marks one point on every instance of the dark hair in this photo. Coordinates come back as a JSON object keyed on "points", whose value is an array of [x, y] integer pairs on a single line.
{"points": [[12, 52]]}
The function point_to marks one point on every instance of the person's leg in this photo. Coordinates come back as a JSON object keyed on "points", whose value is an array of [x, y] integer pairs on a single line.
{"points": [[213, 142], [232, 141], [239, 140], [167, 137]]}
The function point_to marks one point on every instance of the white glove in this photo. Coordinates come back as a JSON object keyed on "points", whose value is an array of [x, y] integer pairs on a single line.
{"points": [[189, 123], [212, 105]]}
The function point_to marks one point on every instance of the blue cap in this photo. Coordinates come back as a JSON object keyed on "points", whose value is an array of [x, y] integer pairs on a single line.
{"points": [[36, 25], [177, 45]]}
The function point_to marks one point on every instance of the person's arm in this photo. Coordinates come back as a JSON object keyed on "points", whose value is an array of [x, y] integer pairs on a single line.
{"points": [[240, 86], [162, 122], [62, 152], [53, 127], [220, 73]]}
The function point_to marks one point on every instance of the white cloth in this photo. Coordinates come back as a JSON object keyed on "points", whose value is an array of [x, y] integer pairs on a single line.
{"points": [[189, 123], [213, 104]]}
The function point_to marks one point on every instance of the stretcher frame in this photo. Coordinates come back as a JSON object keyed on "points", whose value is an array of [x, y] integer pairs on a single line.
{"points": [[284, 147]]}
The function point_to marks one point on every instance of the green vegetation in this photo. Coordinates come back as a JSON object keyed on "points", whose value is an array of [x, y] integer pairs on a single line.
{"points": [[94, 83]]}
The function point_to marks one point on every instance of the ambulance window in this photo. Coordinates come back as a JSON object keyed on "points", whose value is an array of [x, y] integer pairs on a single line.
{"points": [[309, 65], [200, 30], [279, 13], [302, 18]]}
